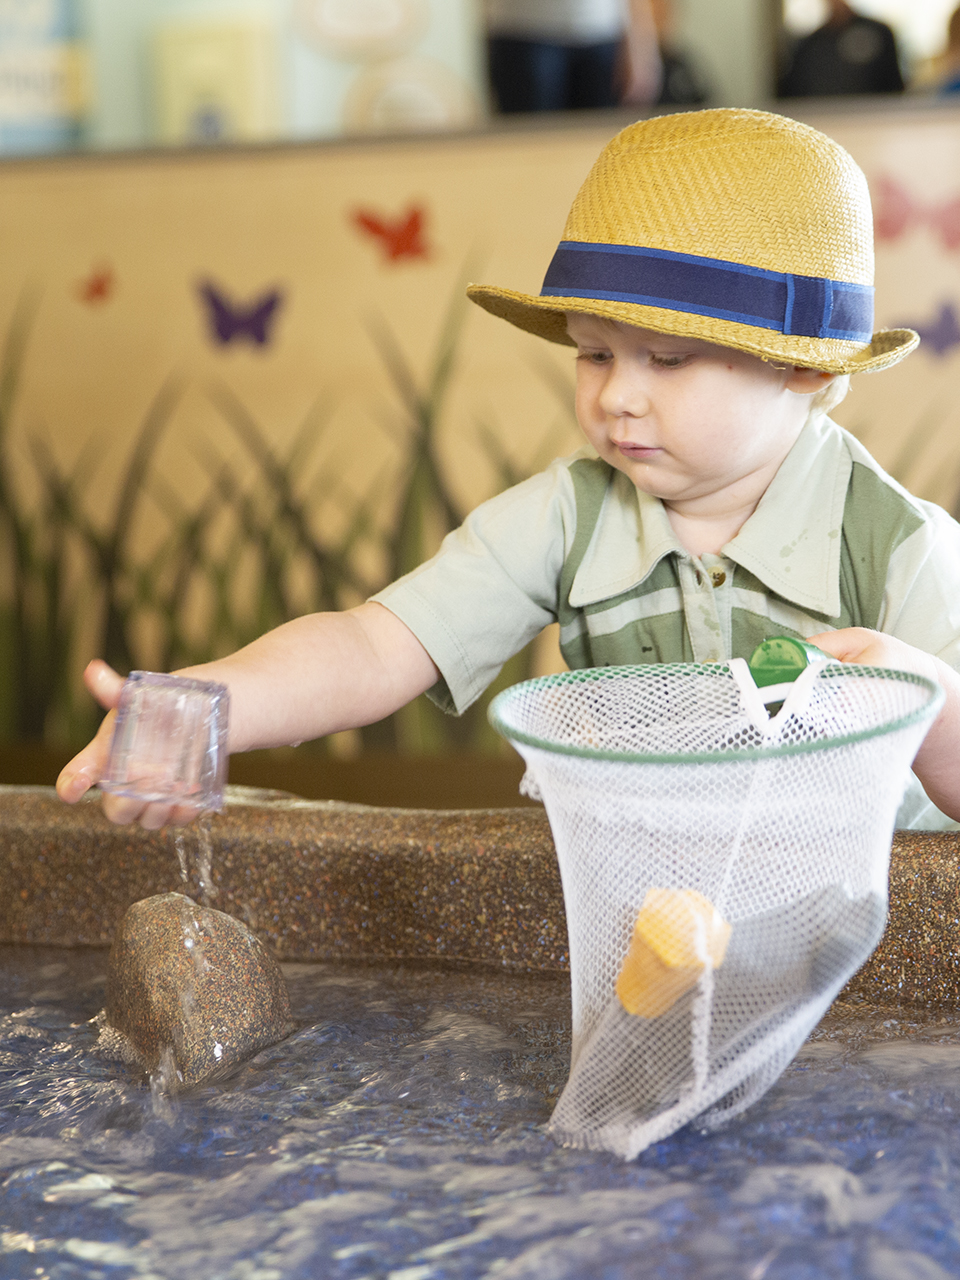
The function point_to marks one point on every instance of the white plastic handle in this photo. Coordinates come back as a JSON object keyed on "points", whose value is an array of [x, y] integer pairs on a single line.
{"points": [[794, 694]]}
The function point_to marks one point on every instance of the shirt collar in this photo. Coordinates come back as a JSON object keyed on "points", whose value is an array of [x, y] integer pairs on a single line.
{"points": [[791, 542], [631, 537]]}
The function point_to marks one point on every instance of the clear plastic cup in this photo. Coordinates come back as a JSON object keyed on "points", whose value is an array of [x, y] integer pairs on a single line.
{"points": [[170, 741]]}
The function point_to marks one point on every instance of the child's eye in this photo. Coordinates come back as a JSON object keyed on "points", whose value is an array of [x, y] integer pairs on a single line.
{"points": [[669, 362], [594, 357]]}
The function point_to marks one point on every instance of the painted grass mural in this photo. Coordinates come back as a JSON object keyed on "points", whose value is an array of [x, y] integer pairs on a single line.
{"points": [[77, 577]]}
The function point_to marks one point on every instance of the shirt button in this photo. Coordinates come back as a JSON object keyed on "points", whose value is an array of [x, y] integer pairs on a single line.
{"points": [[717, 577]]}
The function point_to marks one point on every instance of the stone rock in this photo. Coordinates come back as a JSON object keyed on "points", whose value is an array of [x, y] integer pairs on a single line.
{"points": [[189, 979]]}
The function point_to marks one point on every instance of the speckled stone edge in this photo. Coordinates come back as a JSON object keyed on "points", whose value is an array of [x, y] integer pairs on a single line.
{"points": [[315, 880], [918, 960], [321, 880]]}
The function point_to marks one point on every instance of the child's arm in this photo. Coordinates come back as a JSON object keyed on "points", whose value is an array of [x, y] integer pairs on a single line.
{"points": [[310, 677], [937, 764]]}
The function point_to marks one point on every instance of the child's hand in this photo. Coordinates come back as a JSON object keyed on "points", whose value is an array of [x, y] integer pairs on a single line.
{"points": [[937, 763], [316, 675], [875, 649], [87, 767]]}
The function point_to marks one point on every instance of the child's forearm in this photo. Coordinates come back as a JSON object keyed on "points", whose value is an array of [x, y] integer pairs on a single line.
{"points": [[937, 763], [320, 674], [310, 677]]}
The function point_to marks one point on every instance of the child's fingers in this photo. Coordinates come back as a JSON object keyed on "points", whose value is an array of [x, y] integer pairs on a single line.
{"points": [[155, 816], [103, 682], [852, 644], [125, 809], [86, 768], [876, 649], [150, 815]]}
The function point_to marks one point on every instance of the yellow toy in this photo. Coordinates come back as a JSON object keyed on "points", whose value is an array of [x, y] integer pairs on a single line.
{"points": [[678, 931]]}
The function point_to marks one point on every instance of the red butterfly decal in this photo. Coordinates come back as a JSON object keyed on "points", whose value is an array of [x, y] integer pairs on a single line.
{"points": [[399, 237], [97, 287], [896, 212]]}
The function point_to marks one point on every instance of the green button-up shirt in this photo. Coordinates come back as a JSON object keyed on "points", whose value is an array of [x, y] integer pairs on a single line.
{"points": [[834, 542]]}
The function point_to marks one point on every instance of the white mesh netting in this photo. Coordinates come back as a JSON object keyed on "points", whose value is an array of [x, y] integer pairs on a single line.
{"points": [[731, 872]]}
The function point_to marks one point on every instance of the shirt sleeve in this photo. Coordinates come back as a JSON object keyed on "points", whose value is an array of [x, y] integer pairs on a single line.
{"points": [[921, 602], [492, 587], [921, 606]]}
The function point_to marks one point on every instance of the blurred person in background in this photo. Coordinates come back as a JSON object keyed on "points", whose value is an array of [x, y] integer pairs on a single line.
{"points": [[849, 54], [570, 55]]}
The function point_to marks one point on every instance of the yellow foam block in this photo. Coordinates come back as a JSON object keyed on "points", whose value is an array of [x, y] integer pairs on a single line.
{"points": [[677, 932]]}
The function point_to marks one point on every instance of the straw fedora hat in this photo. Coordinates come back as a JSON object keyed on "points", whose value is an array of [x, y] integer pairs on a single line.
{"points": [[739, 227]]}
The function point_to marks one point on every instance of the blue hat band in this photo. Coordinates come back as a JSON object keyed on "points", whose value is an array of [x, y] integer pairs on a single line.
{"points": [[801, 306]]}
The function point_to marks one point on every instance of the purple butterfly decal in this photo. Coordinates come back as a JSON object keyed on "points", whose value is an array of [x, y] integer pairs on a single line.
{"points": [[230, 321], [943, 334]]}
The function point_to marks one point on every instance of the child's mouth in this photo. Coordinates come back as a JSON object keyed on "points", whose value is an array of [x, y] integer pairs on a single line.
{"points": [[640, 451]]}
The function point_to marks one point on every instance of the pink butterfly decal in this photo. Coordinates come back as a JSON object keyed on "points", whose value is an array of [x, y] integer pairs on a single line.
{"points": [[401, 237], [896, 212], [230, 321]]}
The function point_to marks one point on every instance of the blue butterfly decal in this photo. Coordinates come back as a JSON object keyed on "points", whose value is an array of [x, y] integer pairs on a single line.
{"points": [[229, 321], [943, 334]]}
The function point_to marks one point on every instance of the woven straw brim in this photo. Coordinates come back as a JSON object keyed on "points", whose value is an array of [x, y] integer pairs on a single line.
{"points": [[545, 317]]}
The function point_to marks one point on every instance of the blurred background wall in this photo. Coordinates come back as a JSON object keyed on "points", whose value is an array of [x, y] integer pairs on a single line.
{"points": [[131, 73], [170, 70]]}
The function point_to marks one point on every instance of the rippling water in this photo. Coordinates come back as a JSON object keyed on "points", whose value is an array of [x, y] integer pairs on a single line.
{"points": [[399, 1135]]}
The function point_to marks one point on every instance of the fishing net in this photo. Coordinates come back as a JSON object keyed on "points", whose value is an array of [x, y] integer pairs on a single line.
{"points": [[724, 872]]}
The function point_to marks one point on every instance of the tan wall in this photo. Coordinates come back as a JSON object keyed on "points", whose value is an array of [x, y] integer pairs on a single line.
{"points": [[112, 250], [909, 416]]}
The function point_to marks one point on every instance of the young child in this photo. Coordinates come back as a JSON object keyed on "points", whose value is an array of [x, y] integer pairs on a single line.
{"points": [[715, 277]]}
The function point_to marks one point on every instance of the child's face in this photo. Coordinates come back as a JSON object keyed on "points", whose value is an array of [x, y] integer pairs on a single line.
{"points": [[687, 421]]}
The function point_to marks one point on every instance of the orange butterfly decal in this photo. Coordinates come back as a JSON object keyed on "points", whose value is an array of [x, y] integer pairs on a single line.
{"points": [[399, 238], [98, 287]]}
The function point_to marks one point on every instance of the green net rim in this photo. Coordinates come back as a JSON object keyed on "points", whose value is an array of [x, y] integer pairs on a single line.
{"points": [[590, 675]]}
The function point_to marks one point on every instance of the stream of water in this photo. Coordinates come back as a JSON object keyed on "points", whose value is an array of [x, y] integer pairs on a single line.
{"points": [[399, 1135]]}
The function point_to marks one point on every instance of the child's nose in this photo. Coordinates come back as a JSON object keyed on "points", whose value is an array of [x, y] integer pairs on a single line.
{"points": [[624, 392]]}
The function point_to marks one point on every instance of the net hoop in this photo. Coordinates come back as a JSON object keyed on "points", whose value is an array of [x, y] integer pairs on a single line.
{"points": [[500, 708]]}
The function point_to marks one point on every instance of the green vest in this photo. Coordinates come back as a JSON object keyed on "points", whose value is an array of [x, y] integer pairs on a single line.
{"points": [[648, 622]]}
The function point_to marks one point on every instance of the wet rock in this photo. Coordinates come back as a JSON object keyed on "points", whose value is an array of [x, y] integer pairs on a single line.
{"points": [[194, 980]]}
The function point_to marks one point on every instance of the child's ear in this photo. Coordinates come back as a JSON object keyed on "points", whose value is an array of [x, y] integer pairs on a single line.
{"points": [[807, 382]]}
